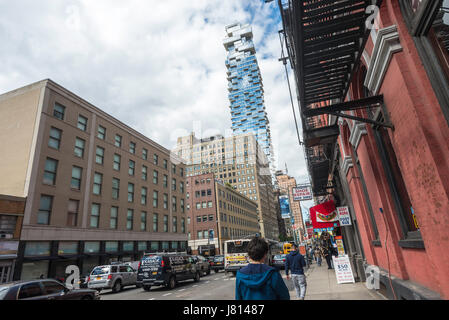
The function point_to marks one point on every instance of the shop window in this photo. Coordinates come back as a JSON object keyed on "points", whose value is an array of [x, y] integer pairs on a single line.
{"points": [[66, 248], [111, 246], [33, 249]]}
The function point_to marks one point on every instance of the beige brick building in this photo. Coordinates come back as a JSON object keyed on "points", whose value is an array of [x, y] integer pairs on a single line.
{"points": [[96, 190], [239, 162]]}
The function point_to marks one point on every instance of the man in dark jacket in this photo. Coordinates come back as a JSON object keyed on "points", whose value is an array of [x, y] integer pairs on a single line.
{"points": [[257, 281], [296, 262]]}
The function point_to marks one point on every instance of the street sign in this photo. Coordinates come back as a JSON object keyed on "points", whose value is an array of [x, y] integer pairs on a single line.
{"points": [[302, 193], [344, 216], [343, 269]]}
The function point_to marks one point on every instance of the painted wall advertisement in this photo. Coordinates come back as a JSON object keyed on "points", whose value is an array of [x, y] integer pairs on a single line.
{"points": [[344, 216], [343, 269], [302, 193], [285, 207]]}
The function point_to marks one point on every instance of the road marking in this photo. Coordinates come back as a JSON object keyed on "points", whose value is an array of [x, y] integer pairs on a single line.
{"points": [[217, 279], [167, 294], [195, 285], [181, 290], [151, 299], [207, 281]]}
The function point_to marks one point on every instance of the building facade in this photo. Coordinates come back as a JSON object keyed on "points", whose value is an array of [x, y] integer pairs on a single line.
{"points": [[286, 185], [377, 136], [217, 212], [96, 190], [246, 94], [237, 161], [11, 216]]}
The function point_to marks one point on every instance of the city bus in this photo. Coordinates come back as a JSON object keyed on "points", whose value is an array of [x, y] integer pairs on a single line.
{"points": [[236, 253]]}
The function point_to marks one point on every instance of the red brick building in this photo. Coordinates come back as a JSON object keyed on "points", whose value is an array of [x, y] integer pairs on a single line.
{"points": [[376, 115]]}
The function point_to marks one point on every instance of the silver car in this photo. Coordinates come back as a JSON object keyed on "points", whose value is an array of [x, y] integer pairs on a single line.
{"points": [[114, 277]]}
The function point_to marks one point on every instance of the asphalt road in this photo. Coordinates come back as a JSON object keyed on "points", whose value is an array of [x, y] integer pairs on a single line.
{"points": [[216, 286]]}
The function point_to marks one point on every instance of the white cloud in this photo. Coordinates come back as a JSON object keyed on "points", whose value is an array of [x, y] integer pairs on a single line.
{"points": [[157, 66]]}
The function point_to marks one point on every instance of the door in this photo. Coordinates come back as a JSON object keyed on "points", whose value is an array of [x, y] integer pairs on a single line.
{"points": [[123, 270], [55, 291], [132, 276], [5, 273]]}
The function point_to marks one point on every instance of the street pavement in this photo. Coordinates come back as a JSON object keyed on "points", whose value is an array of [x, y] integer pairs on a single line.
{"points": [[321, 285]]}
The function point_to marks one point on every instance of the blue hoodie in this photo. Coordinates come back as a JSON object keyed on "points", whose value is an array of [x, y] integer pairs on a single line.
{"points": [[296, 262], [260, 282]]}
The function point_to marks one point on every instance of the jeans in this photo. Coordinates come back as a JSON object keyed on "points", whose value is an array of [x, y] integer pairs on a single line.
{"points": [[318, 260], [299, 281]]}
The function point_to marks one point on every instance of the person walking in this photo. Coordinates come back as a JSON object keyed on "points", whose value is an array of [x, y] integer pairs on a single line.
{"points": [[327, 249], [318, 256], [258, 281], [296, 263]]}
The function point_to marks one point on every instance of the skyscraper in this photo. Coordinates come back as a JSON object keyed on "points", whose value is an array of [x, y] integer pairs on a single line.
{"points": [[246, 93]]}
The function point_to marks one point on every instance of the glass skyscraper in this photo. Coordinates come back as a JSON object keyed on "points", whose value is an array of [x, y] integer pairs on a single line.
{"points": [[246, 93]]}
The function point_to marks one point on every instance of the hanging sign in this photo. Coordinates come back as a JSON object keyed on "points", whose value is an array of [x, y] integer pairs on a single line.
{"points": [[302, 193], [344, 216]]}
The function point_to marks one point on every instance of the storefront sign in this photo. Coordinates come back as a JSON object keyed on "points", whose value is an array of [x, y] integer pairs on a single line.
{"points": [[340, 246], [344, 216], [302, 193], [9, 247], [343, 269]]}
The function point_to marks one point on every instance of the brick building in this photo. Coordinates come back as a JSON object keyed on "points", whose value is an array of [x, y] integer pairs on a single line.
{"points": [[375, 116]]}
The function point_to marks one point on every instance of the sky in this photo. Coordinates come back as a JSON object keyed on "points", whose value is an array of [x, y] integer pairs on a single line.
{"points": [[157, 66]]}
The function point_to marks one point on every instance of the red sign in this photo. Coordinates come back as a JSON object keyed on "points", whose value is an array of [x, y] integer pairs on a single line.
{"points": [[324, 212]]}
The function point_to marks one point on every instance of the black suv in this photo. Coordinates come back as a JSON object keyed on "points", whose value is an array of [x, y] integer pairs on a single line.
{"points": [[166, 270]]}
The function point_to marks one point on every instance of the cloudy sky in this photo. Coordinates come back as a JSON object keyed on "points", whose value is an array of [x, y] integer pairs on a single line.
{"points": [[157, 66]]}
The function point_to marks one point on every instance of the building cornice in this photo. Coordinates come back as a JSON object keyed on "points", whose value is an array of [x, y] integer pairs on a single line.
{"points": [[347, 164], [358, 130], [387, 44]]}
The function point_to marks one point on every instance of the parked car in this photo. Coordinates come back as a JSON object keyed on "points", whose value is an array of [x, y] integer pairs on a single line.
{"points": [[278, 261], [202, 264], [44, 289], [165, 269], [133, 264], [115, 277], [218, 263]]}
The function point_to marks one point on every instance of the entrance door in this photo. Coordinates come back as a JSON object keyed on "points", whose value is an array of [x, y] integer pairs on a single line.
{"points": [[5, 273]]}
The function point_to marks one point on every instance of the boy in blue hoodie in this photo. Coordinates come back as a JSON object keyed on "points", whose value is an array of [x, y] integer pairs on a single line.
{"points": [[257, 281]]}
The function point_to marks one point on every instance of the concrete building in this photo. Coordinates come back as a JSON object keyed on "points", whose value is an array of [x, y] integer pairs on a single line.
{"points": [[376, 134], [96, 190], [286, 185], [236, 160], [246, 94], [216, 213], [11, 216]]}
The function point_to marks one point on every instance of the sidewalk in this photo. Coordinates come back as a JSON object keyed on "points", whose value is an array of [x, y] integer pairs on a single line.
{"points": [[322, 285]]}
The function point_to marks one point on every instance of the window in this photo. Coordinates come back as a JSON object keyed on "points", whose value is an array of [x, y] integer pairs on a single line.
{"points": [[59, 111], [175, 224], [165, 201], [51, 166], [155, 222], [130, 192], [173, 168], [165, 164], [155, 199], [181, 187], [98, 180], [211, 217], [204, 204], [144, 173], [198, 219], [204, 218], [79, 147], [144, 154], [95, 215], [165, 223], [182, 205], [52, 287], [183, 225], [130, 219], [155, 177], [209, 192], [99, 155], [101, 133], [131, 167], [75, 183], [55, 138], [45, 206], [198, 205], [143, 221], [155, 159], [200, 235], [116, 163], [165, 182], [118, 140], [132, 147], [30, 290], [209, 204], [143, 198], [173, 184], [173, 201], [72, 213], [114, 218], [181, 172], [82, 123]]}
